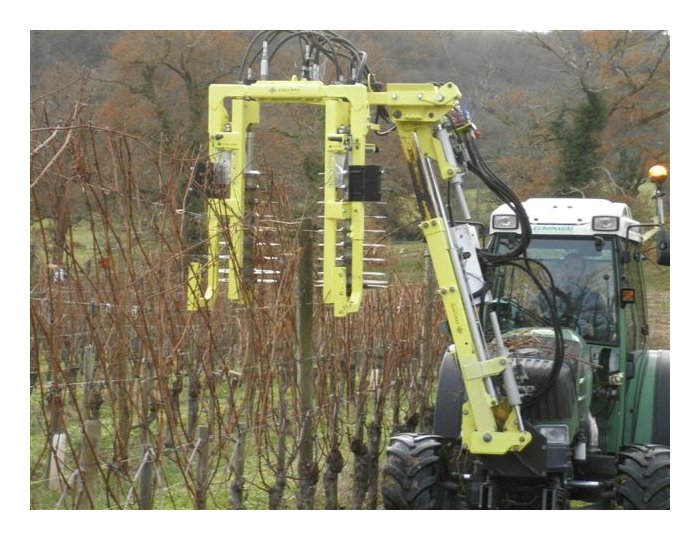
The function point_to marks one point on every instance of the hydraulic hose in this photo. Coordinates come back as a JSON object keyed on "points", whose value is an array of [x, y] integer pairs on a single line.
{"points": [[330, 45], [549, 298], [478, 166]]}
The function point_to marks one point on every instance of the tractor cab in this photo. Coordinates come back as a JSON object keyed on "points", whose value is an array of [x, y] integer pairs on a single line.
{"points": [[581, 278], [572, 272]]}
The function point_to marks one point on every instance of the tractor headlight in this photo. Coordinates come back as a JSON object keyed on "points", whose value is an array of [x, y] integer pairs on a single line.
{"points": [[505, 221], [606, 223], [555, 434]]}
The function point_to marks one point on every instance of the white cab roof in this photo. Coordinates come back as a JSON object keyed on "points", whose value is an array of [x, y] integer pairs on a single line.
{"points": [[573, 216]]}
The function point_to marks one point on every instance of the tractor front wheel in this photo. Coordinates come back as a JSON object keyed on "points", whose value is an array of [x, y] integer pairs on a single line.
{"points": [[644, 477], [414, 473]]}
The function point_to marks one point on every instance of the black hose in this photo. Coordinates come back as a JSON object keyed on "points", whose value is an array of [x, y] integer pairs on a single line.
{"points": [[549, 297], [328, 44], [244, 60], [518, 255], [478, 166]]}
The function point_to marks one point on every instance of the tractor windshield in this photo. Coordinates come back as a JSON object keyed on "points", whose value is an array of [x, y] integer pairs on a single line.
{"points": [[582, 286]]}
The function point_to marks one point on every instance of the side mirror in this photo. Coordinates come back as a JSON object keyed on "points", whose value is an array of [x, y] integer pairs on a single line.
{"points": [[663, 248]]}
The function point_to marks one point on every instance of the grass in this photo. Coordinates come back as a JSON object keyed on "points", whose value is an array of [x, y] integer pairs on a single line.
{"points": [[658, 288], [406, 260]]}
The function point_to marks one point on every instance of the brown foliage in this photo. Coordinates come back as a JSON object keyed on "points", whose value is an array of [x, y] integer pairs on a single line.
{"points": [[162, 79]]}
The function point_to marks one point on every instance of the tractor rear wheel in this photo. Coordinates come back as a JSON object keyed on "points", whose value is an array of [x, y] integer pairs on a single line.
{"points": [[414, 473], [644, 477]]}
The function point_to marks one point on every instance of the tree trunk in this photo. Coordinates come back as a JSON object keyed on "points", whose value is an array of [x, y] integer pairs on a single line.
{"points": [[34, 355], [238, 469], [276, 496], [360, 471], [57, 436], [374, 436], [425, 377], [202, 472], [172, 410], [334, 460], [195, 389], [236, 492], [334, 466]]}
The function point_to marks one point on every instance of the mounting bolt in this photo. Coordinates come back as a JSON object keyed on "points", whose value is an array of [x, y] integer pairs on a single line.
{"points": [[503, 361], [488, 437], [453, 288], [394, 96], [443, 291], [522, 439]]}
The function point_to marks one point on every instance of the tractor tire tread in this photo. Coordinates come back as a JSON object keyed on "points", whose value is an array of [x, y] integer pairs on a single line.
{"points": [[411, 474], [644, 477]]}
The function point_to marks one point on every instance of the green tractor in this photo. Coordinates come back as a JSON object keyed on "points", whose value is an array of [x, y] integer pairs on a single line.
{"points": [[570, 315]]}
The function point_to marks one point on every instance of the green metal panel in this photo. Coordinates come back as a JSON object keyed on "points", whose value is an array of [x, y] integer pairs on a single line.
{"points": [[647, 403]]}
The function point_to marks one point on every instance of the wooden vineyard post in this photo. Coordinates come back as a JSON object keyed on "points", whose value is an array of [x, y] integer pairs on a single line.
{"points": [[307, 468], [146, 479], [89, 465]]}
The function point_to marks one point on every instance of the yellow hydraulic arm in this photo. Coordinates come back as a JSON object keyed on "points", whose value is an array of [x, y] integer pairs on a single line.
{"points": [[418, 111]]}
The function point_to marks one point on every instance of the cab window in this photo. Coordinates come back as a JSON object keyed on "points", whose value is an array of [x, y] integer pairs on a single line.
{"points": [[582, 287]]}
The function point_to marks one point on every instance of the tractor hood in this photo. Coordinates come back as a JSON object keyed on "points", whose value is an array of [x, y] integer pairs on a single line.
{"points": [[539, 343], [566, 397]]}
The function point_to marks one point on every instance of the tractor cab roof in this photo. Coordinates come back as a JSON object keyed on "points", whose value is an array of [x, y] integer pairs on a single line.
{"points": [[584, 217]]}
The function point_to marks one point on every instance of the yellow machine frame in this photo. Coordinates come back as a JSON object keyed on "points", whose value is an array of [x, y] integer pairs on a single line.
{"points": [[416, 110]]}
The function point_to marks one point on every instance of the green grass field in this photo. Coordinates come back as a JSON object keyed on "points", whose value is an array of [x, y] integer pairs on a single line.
{"points": [[658, 285]]}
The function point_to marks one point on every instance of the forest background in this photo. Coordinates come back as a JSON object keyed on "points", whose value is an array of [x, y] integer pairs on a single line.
{"points": [[117, 123]]}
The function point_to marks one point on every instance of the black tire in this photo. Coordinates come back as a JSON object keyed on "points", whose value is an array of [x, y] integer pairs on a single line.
{"points": [[414, 470], [644, 477]]}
